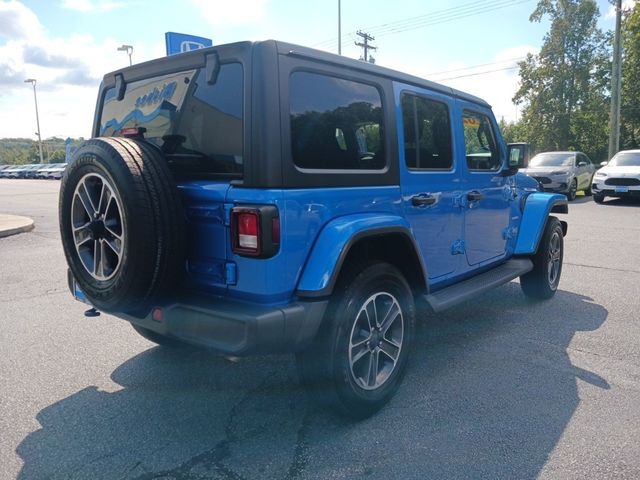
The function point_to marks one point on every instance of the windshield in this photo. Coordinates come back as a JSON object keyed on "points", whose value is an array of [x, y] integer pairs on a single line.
{"points": [[552, 160], [627, 159]]}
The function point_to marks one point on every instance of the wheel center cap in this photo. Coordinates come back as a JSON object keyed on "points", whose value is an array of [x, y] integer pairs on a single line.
{"points": [[97, 229], [375, 338]]}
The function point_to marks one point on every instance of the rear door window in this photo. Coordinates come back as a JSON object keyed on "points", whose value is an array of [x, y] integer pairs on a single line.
{"points": [[198, 126], [427, 134], [336, 124]]}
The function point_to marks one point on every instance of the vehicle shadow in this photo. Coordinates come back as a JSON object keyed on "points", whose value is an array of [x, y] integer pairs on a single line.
{"points": [[622, 202], [489, 394]]}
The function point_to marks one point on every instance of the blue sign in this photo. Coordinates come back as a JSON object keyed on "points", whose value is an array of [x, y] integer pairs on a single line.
{"points": [[181, 42]]}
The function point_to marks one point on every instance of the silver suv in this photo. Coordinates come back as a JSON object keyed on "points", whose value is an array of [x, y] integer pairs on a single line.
{"points": [[564, 172]]}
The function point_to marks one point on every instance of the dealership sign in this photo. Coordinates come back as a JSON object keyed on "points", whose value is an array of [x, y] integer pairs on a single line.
{"points": [[181, 42]]}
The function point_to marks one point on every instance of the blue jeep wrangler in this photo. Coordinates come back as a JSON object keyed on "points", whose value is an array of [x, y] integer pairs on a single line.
{"points": [[264, 197]]}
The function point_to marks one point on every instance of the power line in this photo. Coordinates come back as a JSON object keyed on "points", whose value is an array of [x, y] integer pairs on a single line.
{"points": [[477, 73], [475, 66], [433, 18]]}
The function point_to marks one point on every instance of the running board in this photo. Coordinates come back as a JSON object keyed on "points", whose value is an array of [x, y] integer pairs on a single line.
{"points": [[460, 292]]}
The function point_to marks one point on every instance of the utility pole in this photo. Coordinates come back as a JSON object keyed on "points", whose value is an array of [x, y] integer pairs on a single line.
{"points": [[616, 85], [339, 29], [365, 45]]}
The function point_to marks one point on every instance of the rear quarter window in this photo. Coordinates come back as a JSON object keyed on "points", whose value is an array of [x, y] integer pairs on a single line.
{"points": [[336, 124]]}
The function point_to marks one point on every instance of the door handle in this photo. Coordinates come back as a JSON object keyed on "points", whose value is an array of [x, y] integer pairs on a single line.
{"points": [[474, 196], [423, 200]]}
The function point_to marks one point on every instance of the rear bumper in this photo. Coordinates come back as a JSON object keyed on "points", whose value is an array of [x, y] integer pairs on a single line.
{"points": [[237, 328], [232, 327]]}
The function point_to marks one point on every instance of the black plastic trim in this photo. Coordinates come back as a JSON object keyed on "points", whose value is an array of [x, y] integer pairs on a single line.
{"points": [[237, 328]]}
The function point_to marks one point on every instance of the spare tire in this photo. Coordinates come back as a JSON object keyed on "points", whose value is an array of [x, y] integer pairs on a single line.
{"points": [[121, 223]]}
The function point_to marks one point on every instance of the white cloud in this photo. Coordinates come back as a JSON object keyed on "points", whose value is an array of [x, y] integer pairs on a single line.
{"points": [[495, 81], [238, 12], [92, 6], [17, 21], [68, 71], [626, 6]]}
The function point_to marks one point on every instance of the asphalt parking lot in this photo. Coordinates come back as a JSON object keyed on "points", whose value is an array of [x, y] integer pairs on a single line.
{"points": [[500, 387]]}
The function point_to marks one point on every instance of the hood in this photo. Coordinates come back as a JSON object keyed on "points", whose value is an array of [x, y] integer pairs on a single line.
{"points": [[545, 170]]}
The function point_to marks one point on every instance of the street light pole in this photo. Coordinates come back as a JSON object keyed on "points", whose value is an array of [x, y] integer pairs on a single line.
{"points": [[32, 81], [339, 29], [129, 50]]}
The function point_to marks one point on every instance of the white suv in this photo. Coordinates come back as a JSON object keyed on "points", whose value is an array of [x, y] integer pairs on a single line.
{"points": [[620, 177]]}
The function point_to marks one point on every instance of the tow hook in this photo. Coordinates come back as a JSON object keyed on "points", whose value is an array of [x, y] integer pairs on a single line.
{"points": [[92, 312]]}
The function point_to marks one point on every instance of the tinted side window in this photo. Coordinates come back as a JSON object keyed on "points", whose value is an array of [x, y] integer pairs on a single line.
{"points": [[480, 142], [427, 134], [198, 126], [335, 123]]}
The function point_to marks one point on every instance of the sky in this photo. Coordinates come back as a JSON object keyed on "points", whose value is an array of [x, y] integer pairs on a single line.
{"points": [[68, 45]]}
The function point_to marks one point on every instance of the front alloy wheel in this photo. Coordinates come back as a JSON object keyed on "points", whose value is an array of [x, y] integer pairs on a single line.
{"points": [[542, 282]]}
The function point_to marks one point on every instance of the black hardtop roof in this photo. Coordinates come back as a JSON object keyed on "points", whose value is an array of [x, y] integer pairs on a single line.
{"points": [[326, 57], [284, 48]]}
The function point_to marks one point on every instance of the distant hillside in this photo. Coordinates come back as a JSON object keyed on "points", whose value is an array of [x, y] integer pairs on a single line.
{"points": [[19, 151]]}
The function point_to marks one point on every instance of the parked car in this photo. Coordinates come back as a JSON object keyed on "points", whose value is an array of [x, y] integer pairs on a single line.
{"points": [[3, 168], [16, 171], [299, 202], [32, 171], [618, 178], [564, 172], [53, 171], [58, 171]]}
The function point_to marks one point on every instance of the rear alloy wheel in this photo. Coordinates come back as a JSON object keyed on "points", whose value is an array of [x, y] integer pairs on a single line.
{"points": [[359, 358]]}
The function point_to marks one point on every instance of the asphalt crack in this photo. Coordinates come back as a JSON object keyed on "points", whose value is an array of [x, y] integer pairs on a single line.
{"points": [[214, 458], [602, 268]]}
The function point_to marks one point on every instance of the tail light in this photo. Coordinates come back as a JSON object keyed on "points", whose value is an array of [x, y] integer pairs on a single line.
{"points": [[255, 231]]}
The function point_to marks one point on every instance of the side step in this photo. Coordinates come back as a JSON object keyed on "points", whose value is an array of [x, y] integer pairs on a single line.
{"points": [[460, 292]]}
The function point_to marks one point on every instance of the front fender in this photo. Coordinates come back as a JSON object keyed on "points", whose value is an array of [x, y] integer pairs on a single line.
{"points": [[333, 244], [534, 217]]}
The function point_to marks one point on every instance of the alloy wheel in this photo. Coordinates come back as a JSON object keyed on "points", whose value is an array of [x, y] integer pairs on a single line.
{"points": [[97, 223], [376, 340]]}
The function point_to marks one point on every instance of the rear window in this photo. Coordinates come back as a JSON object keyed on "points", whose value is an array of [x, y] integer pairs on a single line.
{"points": [[336, 124], [199, 127]]}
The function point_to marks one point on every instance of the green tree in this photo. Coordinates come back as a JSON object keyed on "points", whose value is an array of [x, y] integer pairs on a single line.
{"points": [[630, 108], [513, 131], [563, 89]]}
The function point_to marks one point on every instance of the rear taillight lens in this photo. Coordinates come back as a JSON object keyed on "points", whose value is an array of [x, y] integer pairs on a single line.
{"points": [[255, 231], [248, 230]]}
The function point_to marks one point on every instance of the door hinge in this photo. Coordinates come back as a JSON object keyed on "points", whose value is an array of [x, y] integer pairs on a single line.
{"points": [[457, 247]]}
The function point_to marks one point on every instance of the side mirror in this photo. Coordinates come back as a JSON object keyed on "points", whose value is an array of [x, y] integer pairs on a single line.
{"points": [[518, 155], [602, 164], [582, 164]]}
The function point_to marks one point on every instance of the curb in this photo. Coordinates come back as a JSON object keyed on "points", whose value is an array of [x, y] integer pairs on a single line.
{"points": [[13, 224]]}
